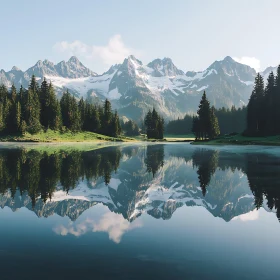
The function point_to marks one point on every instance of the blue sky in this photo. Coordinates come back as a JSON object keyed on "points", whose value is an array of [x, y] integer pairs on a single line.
{"points": [[100, 33]]}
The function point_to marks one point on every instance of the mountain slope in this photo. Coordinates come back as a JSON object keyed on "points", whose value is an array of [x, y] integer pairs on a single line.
{"points": [[72, 69], [134, 87]]}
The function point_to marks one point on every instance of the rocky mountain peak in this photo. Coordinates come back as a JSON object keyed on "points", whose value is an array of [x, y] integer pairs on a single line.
{"points": [[15, 68], [164, 67], [74, 59]]}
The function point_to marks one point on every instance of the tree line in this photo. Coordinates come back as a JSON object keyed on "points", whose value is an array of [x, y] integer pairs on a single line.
{"points": [[154, 124], [205, 124], [231, 120], [263, 114], [36, 108]]}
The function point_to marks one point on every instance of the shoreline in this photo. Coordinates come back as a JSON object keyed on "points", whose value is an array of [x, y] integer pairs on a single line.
{"points": [[239, 140]]}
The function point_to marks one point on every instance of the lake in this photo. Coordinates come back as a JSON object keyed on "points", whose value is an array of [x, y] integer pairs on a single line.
{"points": [[139, 211]]}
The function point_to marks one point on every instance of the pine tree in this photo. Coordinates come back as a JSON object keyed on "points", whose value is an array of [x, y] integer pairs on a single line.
{"points": [[204, 117], [32, 107], [17, 119], [195, 127], [74, 115], [2, 119], [270, 108], [65, 107], [107, 117], [214, 125], [115, 125], [45, 102], [82, 109], [277, 101], [255, 113], [154, 124], [56, 120], [13, 94], [148, 124], [53, 110], [95, 120], [160, 128], [5, 106]]}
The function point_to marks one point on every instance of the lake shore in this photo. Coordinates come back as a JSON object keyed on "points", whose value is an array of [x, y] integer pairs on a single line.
{"points": [[241, 140], [51, 136]]}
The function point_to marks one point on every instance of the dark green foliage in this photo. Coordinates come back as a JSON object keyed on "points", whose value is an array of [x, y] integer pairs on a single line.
{"points": [[154, 125], [231, 120], [45, 102], [263, 112], [255, 113], [82, 109], [214, 130], [38, 107], [107, 118], [130, 128], [180, 126], [115, 125], [32, 107], [205, 125]]}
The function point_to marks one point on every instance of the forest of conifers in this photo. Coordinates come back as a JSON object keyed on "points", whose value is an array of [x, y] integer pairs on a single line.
{"points": [[36, 108]]}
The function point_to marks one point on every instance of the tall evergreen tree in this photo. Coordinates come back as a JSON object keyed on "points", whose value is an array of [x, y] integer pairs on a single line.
{"points": [[255, 113], [82, 109], [214, 130], [270, 105], [107, 117], [17, 117], [2, 119], [53, 109], [277, 101], [115, 125], [65, 107], [45, 103], [95, 119], [154, 124], [32, 107], [203, 117]]}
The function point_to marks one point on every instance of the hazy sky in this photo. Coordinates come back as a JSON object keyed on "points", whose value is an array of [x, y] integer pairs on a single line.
{"points": [[100, 33]]}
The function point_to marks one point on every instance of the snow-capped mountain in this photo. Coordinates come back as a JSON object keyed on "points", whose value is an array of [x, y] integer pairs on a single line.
{"points": [[72, 69], [134, 87]]}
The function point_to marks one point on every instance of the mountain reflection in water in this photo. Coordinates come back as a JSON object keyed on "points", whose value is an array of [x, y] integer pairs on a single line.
{"points": [[132, 180]]}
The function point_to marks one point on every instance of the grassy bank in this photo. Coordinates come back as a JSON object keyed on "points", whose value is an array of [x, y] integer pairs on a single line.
{"points": [[179, 138], [167, 138], [56, 136], [241, 140]]}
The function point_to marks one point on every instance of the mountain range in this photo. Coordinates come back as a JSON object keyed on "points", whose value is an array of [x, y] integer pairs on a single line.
{"points": [[133, 87]]}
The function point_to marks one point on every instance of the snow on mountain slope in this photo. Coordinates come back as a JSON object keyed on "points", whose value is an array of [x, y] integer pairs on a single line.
{"points": [[134, 87], [97, 84]]}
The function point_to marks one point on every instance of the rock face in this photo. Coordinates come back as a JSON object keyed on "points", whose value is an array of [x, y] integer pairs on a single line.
{"points": [[134, 87], [71, 69]]}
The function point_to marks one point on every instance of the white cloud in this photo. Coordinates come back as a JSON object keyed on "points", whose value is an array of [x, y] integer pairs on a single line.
{"points": [[114, 52], [110, 222], [251, 61], [250, 216]]}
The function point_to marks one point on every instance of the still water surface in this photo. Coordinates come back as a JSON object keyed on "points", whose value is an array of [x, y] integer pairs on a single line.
{"points": [[173, 211]]}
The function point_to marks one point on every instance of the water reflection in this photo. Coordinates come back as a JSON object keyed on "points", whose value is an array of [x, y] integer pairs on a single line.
{"points": [[132, 180]]}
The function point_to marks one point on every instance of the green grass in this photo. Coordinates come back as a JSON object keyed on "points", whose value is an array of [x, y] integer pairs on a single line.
{"points": [[57, 136], [242, 140], [178, 138], [167, 138]]}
